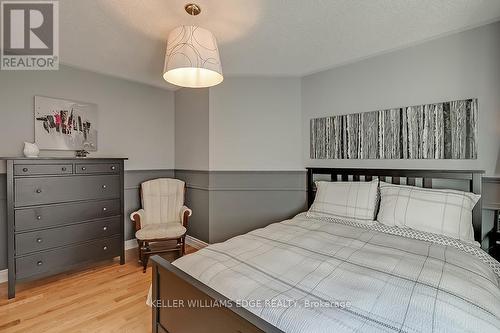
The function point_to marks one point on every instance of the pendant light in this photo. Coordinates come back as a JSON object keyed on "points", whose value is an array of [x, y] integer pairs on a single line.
{"points": [[192, 57]]}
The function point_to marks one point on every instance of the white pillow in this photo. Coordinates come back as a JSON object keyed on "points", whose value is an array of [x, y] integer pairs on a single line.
{"points": [[440, 211], [357, 200]]}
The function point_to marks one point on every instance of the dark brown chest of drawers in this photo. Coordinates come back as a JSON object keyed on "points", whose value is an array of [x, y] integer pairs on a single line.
{"points": [[62, 214]]}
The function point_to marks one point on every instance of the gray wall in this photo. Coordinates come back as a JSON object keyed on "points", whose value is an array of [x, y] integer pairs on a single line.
{"points": [[135, 120], [197, 198], [228, 137], [230, 203], [459, 66], [255, 124], [191, 129], [241, 201]]}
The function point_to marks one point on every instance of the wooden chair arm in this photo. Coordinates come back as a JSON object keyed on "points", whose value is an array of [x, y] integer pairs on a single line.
{"points": [[137, 217], [186, 213]]}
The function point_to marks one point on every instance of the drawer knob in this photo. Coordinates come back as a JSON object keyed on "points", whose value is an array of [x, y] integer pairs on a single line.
{"points": [[39, 217], [38, 190], [113, 168], [104, 247], [104, 186], [84, 168], [104, 209], [39, 263], [25, 169], [104, 228], [39, 240], [63, 169]]}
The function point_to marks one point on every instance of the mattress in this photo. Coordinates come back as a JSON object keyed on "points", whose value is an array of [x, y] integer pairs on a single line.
{"points": [[326, 274]]}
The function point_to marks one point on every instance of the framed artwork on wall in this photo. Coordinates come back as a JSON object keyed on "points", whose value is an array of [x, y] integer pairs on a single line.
{"points": [[62, 124], [446, 130]]}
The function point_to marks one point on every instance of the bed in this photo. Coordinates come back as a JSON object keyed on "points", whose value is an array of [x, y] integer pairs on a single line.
{"points": [[324, 274]]}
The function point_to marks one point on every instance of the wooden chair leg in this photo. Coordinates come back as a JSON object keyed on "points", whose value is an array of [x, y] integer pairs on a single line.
{"points": [[145, 263], [144, 255], [145, 251], [139, 247]]}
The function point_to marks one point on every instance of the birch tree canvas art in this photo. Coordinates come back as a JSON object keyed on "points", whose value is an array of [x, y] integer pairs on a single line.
{"points": [[433, 131]]}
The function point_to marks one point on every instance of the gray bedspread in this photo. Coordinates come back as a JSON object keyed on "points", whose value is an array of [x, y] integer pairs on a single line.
{"points": [[328, 275]]}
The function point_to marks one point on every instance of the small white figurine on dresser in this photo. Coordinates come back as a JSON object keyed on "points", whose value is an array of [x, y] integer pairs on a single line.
{"points": [[31, 150]]}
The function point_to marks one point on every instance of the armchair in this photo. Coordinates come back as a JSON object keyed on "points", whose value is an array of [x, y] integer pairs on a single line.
{"points": [[163, 218]]}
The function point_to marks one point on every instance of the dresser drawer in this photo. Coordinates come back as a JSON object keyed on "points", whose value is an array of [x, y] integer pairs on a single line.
{"points": [[49, 238], [89, 168], [51, 261], [42, 169], [49, 216], [38, 191]]}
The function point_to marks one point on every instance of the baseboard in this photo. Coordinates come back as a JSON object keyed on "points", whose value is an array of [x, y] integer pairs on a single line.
{"points": [[4, 275], [195, 242], [131, 244]]}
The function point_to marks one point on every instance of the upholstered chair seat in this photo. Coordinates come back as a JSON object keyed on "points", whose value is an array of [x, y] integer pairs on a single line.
{"points": [[163, 216], [158, 231]]}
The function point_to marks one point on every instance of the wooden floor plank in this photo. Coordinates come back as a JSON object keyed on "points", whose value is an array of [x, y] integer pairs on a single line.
{"points": [[106, 298]]}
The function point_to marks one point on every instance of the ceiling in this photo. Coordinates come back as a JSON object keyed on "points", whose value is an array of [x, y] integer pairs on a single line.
{"points": [[126, 38]]}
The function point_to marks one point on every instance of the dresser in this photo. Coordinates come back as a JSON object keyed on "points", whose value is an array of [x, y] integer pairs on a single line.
{"points": [[62, 214]]}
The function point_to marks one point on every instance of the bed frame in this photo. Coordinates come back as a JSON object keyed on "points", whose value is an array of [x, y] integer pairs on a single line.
{"points": [[173, 289]]}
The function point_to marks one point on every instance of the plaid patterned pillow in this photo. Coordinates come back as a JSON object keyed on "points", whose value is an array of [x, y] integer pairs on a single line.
{"points": [[440, 211], [356, 200]]}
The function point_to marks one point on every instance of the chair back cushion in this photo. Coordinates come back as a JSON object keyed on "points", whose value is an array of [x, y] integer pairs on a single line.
{"points": [[162, 200]]}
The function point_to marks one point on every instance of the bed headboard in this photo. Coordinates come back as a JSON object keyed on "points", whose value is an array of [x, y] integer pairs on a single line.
{"points": [[413, 177]]}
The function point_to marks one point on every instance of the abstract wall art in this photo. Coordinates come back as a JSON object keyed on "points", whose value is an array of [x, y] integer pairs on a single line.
{"points": [[62, 124], [432, 131]]}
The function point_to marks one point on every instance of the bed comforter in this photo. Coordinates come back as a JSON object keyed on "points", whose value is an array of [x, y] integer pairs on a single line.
{"points": [[330, 275]]}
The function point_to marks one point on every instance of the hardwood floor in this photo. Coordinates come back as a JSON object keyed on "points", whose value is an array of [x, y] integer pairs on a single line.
{"points": [[106, 298]]}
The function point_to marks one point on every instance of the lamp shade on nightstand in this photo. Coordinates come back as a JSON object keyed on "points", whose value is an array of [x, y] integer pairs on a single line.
{"points": [[192, 58]]}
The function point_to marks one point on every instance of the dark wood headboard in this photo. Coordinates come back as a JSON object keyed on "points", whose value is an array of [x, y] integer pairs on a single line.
{"points": [[411, 175]]}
